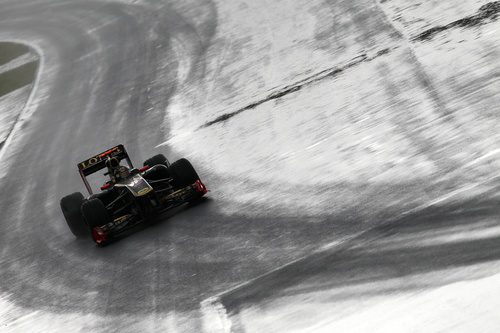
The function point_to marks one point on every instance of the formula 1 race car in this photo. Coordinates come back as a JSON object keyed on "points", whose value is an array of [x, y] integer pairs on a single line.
{"points": [[130, 196]]}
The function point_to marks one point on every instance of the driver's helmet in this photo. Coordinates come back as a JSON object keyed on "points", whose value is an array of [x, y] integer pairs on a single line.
{"points": [[123, 172], [116, 171]]}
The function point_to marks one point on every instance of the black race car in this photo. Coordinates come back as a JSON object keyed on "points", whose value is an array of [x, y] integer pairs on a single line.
{"points": [[130, 196]]}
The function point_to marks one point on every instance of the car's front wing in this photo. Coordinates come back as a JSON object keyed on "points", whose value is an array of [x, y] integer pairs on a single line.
{"points": [[103, 235]]}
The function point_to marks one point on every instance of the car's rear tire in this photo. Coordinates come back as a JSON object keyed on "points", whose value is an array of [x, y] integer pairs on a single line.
{"points": [[156, 160], [183, 173], [71, 207], [95, 213]]}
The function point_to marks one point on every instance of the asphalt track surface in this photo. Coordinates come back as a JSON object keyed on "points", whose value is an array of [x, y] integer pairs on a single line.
{"points": [[92, 98], [108, 70], [99, 62]]}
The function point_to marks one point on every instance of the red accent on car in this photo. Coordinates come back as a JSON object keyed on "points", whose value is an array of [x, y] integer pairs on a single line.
{"points": [[106, 153], [144, 168], [99, 236], [200, 187], [105, 186]]}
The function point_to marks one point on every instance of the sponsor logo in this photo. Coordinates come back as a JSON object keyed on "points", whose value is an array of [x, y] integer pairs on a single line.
{"points": [[143, 191], [98, 158]]}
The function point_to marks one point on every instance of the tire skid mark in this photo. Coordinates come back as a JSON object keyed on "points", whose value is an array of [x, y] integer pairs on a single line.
{"points": [[311, 80], [486, 13]]}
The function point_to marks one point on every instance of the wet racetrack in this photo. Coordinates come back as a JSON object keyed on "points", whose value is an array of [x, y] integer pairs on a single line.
{"points": [[109, 72]]}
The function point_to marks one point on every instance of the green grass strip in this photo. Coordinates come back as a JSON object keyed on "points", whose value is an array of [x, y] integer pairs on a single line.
{"points": [[18, 77], [9, 51]]}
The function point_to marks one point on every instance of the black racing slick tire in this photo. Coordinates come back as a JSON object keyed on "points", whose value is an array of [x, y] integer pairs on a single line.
{"points": [[95, 213], [183, 173], [71, 207], [157, 160]]}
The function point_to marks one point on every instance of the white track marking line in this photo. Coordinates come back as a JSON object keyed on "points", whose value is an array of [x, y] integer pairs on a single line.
{"points": [[17, 62]]}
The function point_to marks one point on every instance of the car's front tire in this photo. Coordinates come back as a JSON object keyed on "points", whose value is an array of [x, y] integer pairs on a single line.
{"points": [[159, 159], [71, 207], [183, 173], [156, 173]]}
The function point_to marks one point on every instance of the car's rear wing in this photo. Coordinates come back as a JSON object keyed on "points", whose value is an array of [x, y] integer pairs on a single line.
{"points": [[98, 162]]}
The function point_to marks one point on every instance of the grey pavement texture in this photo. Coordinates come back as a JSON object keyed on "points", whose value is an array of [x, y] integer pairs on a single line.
{"points": [[109, 71]]}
